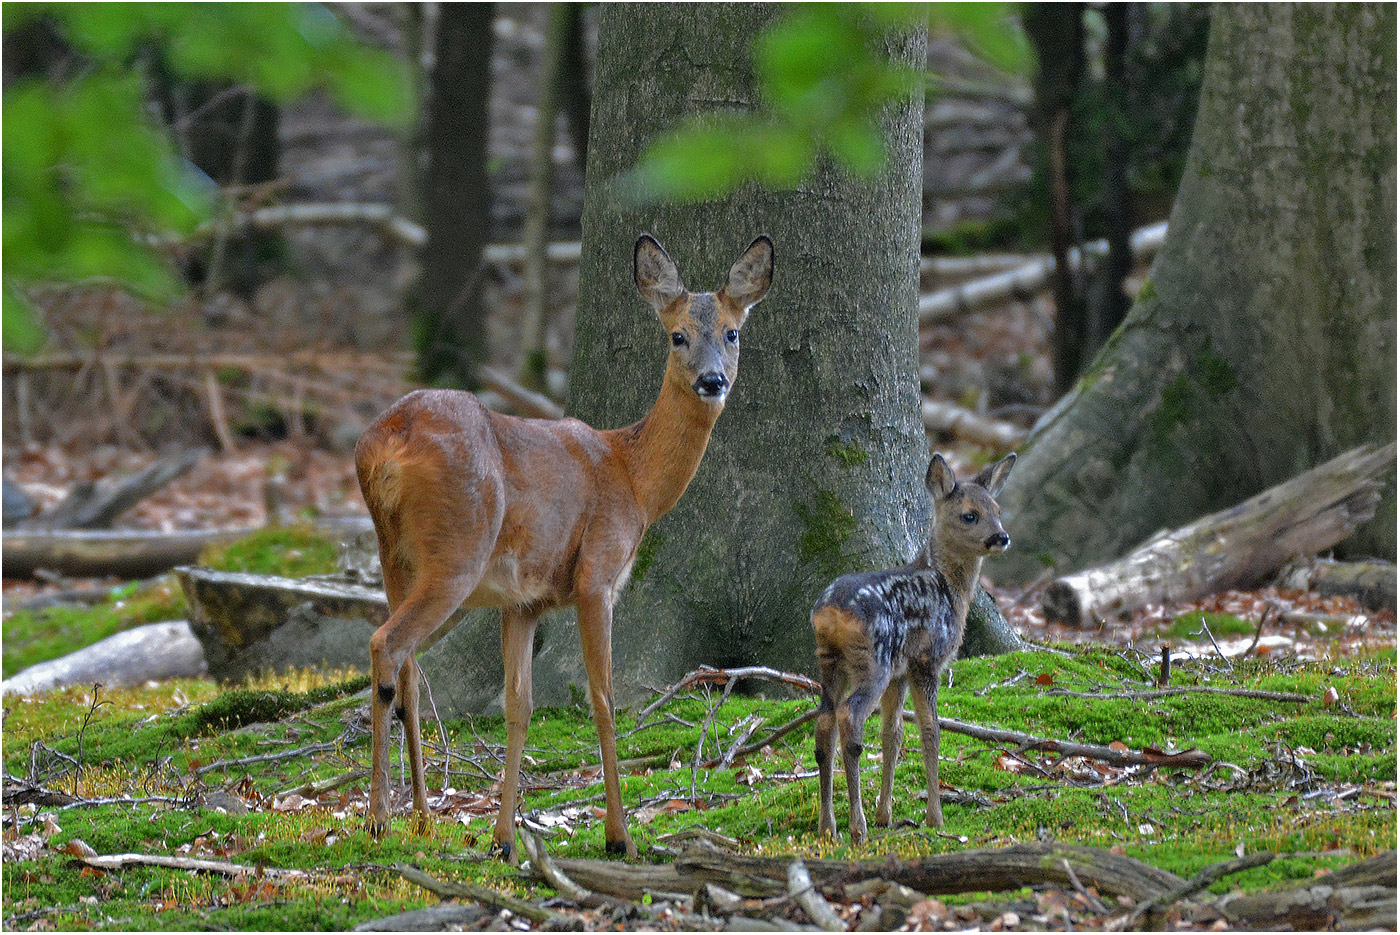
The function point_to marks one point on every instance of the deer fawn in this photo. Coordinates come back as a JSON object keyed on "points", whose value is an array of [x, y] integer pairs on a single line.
{"points": [[480, 509], [879, 630]]}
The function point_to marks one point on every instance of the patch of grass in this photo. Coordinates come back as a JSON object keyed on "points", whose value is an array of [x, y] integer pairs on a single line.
{"points": [[291, 551], [1188, 626]]}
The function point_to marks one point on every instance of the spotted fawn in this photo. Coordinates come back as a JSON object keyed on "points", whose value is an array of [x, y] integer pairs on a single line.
{"points": [[877, 631]]}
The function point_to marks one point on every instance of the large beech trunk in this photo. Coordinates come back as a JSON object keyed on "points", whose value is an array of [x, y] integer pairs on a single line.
{"points": [[1264, 341]]}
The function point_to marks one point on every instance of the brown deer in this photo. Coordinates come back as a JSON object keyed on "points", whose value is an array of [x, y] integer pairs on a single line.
{"points": [[475, 508], [877, 631]]}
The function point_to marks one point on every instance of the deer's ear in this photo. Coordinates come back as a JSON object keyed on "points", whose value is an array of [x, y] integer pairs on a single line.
{"points": [[658, 279], [751, 274], [939, 478], [993, 476]]}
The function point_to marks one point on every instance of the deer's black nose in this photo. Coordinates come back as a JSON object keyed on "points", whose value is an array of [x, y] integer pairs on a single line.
{"points": [[713, 383], [1000, 541]]}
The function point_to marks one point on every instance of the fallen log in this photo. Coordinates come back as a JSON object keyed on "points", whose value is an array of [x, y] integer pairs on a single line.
{"points": [[1027, 281], [123, 553], [95, 506], [993, 869], [156, 651], [1358, 897], [1370, 583], [1240, 547], [940, 417]]}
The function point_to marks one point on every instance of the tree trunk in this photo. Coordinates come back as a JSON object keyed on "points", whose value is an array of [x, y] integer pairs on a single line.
{"points": [[815, 468], [449, 317], [1264, 342]]}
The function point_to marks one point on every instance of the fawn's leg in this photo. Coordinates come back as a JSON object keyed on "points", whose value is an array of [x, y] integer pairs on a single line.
{"points": [[850, 721], [517, 647], [407, 713], [833, 686], [891, 742], [926, 712], [595, 632]]}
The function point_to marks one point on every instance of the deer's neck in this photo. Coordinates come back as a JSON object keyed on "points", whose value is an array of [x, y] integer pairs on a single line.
{"points": [[961, 573], [664, 449]]}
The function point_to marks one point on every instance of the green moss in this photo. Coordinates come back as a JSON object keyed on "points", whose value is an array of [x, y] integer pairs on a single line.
{"points": [[291, 551], [849, 455], [1188, 626], [646, 554], [1192, 399], [827, 524]]}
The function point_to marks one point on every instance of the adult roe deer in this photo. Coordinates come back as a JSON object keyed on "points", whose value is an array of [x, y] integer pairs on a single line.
{"points": [[475, 508], [877, 631]]}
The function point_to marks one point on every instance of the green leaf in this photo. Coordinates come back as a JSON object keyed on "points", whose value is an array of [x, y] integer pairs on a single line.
{"points": [[20, 333], [992, 31]]}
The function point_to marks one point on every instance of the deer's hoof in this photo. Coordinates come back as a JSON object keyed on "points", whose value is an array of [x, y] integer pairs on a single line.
{"points": [[378, 826], [504, 851], [624, 848]]}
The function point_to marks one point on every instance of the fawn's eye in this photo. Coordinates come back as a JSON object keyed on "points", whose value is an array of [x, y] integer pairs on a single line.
{"points": [[678, 339], [969, 518], [732, 336]]}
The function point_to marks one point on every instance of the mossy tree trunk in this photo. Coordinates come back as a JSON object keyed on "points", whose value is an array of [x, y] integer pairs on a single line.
{"points": [[1264, 341], [814, 468]]}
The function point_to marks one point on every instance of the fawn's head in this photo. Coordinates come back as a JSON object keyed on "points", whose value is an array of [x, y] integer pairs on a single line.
{"points": [[704, 327], [967, 520]]}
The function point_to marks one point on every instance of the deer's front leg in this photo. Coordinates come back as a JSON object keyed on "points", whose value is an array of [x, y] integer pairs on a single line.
{"points": [[595, 632], [926, 713], [407, 712], [517, 647]]}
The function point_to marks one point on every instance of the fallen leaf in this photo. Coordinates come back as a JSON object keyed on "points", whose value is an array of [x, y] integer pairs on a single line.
{"points": [[1329, 697], [1045, 678], [78, 848], [1118, 745]]}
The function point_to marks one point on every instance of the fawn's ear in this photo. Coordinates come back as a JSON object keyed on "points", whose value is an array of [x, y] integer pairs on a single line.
{"points": [[993, 476], [751, 274], [939, 478], [658, 279]]}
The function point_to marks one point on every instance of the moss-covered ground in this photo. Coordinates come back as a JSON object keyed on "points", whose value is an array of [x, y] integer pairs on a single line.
{"points": [[1315, 780]]}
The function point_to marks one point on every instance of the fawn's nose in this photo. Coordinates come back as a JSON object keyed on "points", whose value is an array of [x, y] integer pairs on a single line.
{"points": [[712, 384], [998, 542]]}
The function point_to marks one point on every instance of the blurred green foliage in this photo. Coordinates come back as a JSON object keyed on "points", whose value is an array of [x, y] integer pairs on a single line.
{"points": [[825, 80], [86, 172]]}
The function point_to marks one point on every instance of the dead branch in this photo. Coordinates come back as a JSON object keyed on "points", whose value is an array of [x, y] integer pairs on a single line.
{"points": [[224, 867], [1148, 756], [711, 675], [1188, 690], [526, 402], [1235, 548], [1025, 282], [123, 553], [95, 506], [800, 888], [775, 736], [1154, 909], [298, 753], [991, 869], [451, 889], [950, 418]]}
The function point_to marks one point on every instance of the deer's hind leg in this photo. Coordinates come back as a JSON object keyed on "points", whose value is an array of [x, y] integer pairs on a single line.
{"points": [[517, 648], [869, 680], [891, 744], [833, 679]]}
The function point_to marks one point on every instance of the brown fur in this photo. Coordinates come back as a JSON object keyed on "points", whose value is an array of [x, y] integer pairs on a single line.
{"points": [[475, 508]]}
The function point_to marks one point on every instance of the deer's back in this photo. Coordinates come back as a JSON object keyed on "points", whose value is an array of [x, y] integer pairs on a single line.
{"points": [[440, 465], [906, 614]]}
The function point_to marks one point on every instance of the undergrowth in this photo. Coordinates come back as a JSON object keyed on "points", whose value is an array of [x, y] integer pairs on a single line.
{"points": [[1314, 780]]}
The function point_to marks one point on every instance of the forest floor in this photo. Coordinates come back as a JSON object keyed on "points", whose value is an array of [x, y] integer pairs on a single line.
{"points": [[114, 795]]}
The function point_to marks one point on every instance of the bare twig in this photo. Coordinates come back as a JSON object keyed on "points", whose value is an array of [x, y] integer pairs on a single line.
{"points": [[709, 674], [449, 889], [308, 750]]}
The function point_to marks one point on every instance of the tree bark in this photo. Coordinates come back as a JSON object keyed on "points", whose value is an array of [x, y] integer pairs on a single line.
{"points": [[449, 317], [1240, 547], [815, 467], [1264, 342]]}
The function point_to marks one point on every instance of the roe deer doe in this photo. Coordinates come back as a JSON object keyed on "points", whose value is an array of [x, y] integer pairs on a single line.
{"points": [[879, 630], [480, 509]]}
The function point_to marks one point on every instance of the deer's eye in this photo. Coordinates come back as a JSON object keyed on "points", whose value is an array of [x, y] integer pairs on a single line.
{"points": [[732, 336], [969, 518], [678, 339]]}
